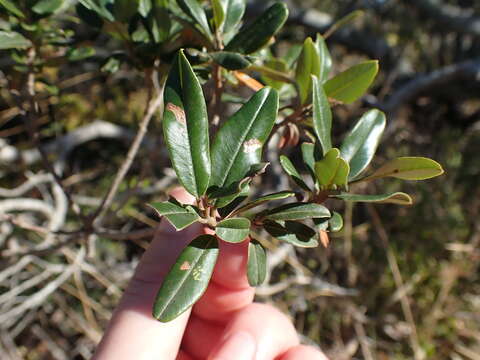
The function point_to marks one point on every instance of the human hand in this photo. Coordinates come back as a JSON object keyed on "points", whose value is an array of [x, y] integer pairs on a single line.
{"points": [[224, 324]]}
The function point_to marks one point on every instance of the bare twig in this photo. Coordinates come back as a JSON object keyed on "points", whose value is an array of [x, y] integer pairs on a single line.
{"points": [[397, 277], [153, 105]]}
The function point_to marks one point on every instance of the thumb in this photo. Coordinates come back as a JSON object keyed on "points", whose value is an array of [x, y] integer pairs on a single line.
{"points": [[133, 333]]}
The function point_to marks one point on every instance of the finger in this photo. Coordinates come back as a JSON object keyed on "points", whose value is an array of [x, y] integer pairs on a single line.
{"points": [[229, 290], [303, 352], [133, 333], [201, 337], [271, 330]]}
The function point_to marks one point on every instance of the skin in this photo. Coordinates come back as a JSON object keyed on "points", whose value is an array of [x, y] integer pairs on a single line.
{"points": [[225, 324]]}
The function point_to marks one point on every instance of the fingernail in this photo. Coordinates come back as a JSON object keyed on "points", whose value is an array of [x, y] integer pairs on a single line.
{"points": [[239, 345]]}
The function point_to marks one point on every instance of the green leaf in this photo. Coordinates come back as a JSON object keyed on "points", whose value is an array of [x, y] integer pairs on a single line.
{"points": [[230, 60], [399, 198], [196, 12], [13, 40], [263, 199], [292, 171], [259, 33], [308, 64], [99, 9], [408, 168], [144, 7], [44, 7], [233, 230], [238, 143], [257, 263], [185, 127], [295, 233], [178, 215], [11, 7], [325, 58], [322, 115], [332, 169], [218, 13], [349, 85], [309, 156], [188, 278], [298, 211], [335, 223], [88, 16], [275, 73], [242, 190], [81, 53], [233, 14], [361, 143], [124, 10]]}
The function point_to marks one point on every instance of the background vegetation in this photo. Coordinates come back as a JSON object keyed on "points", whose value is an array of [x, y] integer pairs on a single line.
{"points": [[396, 283]]}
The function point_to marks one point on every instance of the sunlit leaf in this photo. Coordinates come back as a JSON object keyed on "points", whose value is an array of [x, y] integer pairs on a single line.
{"points": [[399, 198], [408, 168], [185, 127], [322, 115], [349, 85], [13, 40], [361, 143], [238, 143]]}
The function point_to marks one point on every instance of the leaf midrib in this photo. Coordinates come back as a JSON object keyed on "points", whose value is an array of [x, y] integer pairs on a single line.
{"points": [[254, 118]]}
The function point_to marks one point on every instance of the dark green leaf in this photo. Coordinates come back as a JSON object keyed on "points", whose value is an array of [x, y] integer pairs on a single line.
{"points": [[259, 33], [13, 40], [349, 85], [188, 278], [89, 16], [241, 189], [335, 223], [325, 58], [408, 168], [263, 199], [178, 215], [185, 127], [292, 171], [309, 156], [124, 10], [298, 211], [257, 263], [230, 60], [322, 115], [11, 7], [196, 12], [361, 143], [239, 142], [308, 64], [47, 6], [233, 14], [295, 233], [399, 198], [233, 230]]}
